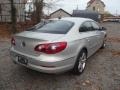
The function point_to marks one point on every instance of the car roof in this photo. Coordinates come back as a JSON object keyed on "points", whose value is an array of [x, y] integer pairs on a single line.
{"points": [[74, 19]]}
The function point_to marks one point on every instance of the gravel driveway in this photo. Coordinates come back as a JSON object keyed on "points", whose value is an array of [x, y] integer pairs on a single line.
{"points": [[102, 71]]}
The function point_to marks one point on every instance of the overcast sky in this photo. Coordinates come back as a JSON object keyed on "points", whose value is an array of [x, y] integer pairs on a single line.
{"points": [[112, 6]]}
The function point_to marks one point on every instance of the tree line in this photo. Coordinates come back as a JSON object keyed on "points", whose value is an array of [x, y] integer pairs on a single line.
{"points": [[39, 4]]}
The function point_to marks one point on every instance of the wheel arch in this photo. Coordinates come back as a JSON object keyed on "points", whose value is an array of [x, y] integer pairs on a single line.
{"points": [[74, 69], [86, 50], [83, 48]]}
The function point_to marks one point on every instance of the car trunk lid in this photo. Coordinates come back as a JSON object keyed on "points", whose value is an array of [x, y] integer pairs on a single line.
{"points": [[27, 41]]}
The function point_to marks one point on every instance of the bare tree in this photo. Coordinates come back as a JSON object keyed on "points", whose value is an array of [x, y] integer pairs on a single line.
{"points": [[40, 4], [13, 16], [51, 3], [39, 10]]}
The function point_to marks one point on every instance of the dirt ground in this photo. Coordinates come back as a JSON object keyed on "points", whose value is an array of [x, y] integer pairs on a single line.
{"points": [[102, 71]]}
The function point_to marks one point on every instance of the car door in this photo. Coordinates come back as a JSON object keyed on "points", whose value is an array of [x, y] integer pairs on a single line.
{"points": [[87, 32], [99, 35]]}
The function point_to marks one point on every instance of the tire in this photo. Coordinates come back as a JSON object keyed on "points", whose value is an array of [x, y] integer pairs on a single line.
{"points": [[80, 63], [103, 45]]}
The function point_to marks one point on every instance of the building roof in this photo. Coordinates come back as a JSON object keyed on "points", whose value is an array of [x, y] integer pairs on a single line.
{"points": [[86, 14], [92, 1], [84, 11], [60, 10]]}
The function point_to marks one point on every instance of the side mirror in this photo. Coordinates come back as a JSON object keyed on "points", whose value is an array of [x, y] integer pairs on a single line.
{"points": [[102, 28]]}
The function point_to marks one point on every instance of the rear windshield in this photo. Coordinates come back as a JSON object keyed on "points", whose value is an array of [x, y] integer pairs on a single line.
{"points": [[56, 27]]}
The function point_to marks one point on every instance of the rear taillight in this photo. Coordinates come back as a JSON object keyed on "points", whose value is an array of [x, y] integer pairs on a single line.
{"points": [[13, 41], [51, 48]]}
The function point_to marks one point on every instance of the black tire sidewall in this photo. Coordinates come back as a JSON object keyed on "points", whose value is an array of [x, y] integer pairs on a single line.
{"points": [[103, 46]]}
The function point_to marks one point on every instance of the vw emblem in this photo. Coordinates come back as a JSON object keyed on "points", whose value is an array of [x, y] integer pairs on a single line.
{"points": [[23, 44]]}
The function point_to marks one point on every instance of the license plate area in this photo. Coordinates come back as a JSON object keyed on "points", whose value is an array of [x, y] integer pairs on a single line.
{"points": [[22, 60]]}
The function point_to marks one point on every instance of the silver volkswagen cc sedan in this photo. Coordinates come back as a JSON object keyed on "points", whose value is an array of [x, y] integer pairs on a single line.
{"points": [[58, 45]]}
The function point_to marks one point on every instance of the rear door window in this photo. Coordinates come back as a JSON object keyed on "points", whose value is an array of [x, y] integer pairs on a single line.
{"points": [[85, 27], [95, 26]]}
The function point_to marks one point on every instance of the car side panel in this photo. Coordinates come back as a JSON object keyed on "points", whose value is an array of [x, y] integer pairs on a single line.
{"points": [[101, 37]]}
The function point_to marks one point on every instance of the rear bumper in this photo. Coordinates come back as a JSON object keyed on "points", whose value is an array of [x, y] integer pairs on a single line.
{"points": [[35, 63]]}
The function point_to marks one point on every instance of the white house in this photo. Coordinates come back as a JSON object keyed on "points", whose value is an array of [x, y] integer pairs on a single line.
{"points": [[5, 9], [96, 5]]}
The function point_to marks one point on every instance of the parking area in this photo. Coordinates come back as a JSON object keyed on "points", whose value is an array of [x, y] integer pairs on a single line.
{"points": [[102, 71]]}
